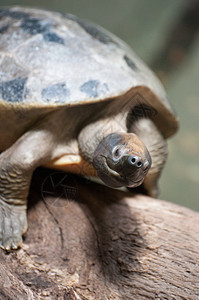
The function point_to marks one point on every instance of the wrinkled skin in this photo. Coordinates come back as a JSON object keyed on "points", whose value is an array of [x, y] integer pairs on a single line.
{"points": [[122, 160]]}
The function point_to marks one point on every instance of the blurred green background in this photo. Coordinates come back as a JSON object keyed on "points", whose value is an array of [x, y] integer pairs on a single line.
{"points": [[165, 35]]}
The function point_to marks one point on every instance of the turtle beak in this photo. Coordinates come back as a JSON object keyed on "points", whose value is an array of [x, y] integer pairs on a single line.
{"points": [[122, 160]]}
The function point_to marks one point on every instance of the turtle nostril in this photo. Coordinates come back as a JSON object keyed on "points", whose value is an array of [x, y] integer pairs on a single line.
{"points": [[139, 164], [135, 161]]}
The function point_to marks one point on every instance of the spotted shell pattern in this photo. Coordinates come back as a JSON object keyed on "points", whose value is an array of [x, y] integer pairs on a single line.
{"points": [[51, 58]]}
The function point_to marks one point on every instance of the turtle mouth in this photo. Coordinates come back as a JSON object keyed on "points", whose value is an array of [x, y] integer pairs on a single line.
{"points": [[121, 180], [110, 170]]}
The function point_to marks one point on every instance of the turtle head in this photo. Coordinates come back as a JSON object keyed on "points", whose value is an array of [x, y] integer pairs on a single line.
{"points": [[122, 160]]}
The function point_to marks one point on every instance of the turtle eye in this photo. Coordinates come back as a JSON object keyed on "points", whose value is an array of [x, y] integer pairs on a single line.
{"points": [[117, 152]]}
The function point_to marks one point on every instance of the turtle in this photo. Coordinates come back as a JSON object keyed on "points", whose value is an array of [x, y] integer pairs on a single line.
{"points": [[74, 97]]}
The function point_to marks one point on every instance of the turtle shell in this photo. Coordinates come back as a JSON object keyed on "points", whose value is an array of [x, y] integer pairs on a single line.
{"points": [[51, 59]]}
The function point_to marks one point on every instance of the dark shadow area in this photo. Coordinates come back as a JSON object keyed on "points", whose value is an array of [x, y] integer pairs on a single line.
{"points": [[53, 183]]}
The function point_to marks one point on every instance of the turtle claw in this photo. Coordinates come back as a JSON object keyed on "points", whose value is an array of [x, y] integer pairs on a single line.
{"points": [[13, 224]]}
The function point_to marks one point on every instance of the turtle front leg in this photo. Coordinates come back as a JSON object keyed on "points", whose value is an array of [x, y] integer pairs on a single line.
{"points": [[16, 167], [14, 185]]}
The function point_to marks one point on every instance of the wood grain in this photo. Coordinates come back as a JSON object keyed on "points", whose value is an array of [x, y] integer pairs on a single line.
{"points": [[98, 243]]}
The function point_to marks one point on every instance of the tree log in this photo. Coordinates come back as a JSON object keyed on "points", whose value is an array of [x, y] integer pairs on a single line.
{"points": [[87, 241]]}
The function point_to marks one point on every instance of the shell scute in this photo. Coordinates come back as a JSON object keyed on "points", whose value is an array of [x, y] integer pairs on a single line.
{"points": [[4, 12], [13, 90], [35, 26], [53, 37], [3, 29], [95, 31], [130, 63], [56, 93], [11, 69], [93, 88]]}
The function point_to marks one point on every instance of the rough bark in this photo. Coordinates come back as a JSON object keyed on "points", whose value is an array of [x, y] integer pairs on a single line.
{"points": [[86, 241]]}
